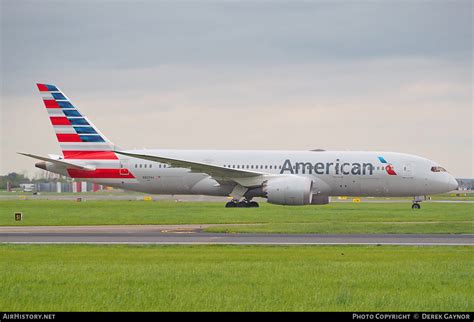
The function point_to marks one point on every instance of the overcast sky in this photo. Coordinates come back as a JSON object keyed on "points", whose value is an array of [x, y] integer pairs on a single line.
{"points": [[338, 75]]}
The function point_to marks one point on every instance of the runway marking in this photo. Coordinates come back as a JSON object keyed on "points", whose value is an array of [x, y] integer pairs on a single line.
{"points": [[178, 231]]}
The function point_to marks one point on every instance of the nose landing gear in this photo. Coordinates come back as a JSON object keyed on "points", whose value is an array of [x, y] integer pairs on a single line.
{"points": [[416, 202]]}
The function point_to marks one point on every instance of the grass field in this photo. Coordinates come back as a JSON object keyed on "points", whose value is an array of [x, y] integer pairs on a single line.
{"points": [[233, 278], [332, 218], [466, 195]]}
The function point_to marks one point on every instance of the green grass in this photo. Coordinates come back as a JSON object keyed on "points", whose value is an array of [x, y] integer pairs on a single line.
{"points": [[235, 278], [332, 218], [457, 196]]}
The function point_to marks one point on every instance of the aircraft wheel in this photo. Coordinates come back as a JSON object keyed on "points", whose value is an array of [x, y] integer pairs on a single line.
{"points": [[415, 206], [231, 204], [242, 204], [253, 204]]}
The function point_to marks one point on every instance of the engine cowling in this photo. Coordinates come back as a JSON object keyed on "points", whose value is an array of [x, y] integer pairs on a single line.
{"points": [[291, 190]]}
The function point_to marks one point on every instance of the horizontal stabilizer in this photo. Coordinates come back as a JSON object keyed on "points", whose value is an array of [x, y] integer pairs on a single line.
{"points": [[62, 163]]}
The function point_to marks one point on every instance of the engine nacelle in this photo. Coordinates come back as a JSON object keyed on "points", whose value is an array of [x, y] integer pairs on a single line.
{"points": [[319, 200], [290, 190]]}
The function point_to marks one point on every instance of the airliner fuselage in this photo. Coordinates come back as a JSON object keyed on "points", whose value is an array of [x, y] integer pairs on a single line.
{"points": [[335, 173], [283, 177]]}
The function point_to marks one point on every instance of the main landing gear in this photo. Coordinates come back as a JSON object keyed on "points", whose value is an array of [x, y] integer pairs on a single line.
{"points": [[241, 204], [241, 198]]}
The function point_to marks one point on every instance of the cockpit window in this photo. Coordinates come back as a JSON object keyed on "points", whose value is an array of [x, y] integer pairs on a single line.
{"points": [[438, 169]]}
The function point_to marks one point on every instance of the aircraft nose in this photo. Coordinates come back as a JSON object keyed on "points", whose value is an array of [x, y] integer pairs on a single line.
{"points": [[452, 183]]}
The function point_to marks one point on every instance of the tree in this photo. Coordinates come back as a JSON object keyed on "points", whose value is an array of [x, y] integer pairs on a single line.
{"points": [[14, 178]]}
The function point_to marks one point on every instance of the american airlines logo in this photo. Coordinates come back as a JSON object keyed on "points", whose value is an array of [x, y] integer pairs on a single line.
{"points": [[336, 168], [388, 167]]}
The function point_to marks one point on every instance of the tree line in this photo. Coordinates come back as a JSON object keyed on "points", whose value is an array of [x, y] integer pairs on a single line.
{"points": [[16, 179]]}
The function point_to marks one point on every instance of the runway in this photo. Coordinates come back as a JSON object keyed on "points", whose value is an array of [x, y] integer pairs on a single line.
{"points": [[193, 235]]}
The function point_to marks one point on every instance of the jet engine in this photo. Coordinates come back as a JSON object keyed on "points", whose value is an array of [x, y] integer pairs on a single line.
{"points": [[288, 190]]}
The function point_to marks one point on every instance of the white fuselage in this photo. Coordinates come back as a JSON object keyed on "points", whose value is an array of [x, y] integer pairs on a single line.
{"points": [[334, 173]]}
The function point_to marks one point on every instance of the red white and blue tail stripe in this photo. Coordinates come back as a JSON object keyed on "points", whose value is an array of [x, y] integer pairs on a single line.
{"points": [[77, 136]]}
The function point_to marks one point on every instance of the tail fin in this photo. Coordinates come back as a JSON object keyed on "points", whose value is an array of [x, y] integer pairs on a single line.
{"points": [[77, 136]]}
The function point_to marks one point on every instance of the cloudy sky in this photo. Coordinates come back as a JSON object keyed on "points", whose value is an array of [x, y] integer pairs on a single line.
{"points": [[338, 75]]}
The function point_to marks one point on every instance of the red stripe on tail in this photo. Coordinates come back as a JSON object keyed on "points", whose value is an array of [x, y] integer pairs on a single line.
{"points": [[51, 104], [42, 87], [68, 138], [57, 120], [90, 155]]}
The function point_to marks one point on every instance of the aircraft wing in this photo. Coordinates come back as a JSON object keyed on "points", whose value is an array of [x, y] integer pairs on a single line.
{"points": [[241, 176], [65, 164]]}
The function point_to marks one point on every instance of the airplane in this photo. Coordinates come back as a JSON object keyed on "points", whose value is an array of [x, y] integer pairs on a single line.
{"points": [[282, 177]]}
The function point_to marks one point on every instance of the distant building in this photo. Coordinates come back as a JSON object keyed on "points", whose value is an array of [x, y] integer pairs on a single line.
{"points": [[465, 184], [28, 187], [60, 187]]}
